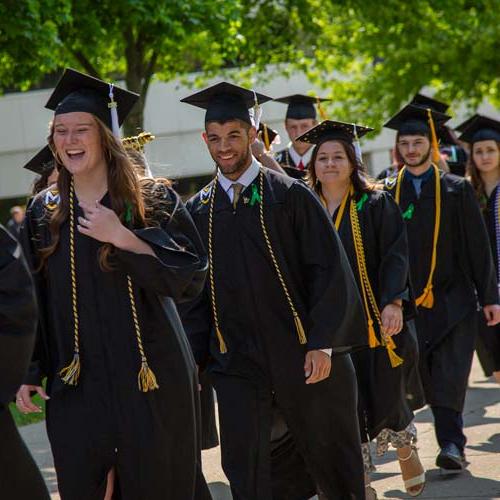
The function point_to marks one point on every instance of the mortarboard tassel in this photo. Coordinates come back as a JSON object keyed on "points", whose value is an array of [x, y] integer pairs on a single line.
{"points": [[113, 107], [256, 114], [322, 112], [357, 146], [435, 145]]}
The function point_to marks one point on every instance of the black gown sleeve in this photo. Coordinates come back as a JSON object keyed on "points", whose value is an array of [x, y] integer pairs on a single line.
{"points": [[17, 316], [32, 240], [477, 248], [335, 316], [179, 266], [197, 321], [393, 250]]}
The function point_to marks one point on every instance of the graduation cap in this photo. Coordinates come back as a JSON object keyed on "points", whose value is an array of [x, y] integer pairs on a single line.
{"points": [[480, 128], [332, 130], [300, 106], [329, 130], [225, 101], [414, 119], [77, 92], [429, 102], [268, 135], [41, 162]]}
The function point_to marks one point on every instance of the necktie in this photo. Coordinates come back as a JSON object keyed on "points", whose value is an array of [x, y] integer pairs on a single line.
{"points": [[300, 166], [237, 189]]}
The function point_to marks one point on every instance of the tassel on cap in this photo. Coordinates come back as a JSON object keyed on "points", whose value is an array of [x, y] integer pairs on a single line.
{"points": [[322, 112], [256, 112], [113, 108], [357, 146], [436, 156]]}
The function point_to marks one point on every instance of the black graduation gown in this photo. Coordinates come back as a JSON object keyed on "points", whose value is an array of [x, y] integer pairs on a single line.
{"points": [[19, 475], [106, 421], [284, 158], [382, 389], [264, 353], [464, 267], [488, 341]]}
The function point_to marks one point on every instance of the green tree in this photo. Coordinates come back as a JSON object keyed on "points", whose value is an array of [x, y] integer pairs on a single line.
{"points": [[372, 57], [140, 39]]}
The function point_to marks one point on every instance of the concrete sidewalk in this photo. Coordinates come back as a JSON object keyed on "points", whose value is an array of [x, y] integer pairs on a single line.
{"points": [[480, 481]]}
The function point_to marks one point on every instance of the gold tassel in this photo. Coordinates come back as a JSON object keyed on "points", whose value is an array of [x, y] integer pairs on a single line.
{"points": [[436, 156], [322, 113], [222, 344], [393, 357], [146, 378], [372, 337], [426, 299], [300, 329], [71, 373]]}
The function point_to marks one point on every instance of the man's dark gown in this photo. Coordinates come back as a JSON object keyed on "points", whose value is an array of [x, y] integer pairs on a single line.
{"points": [[260, 380], [488, 342], [382, 388], [19, 475], [447, 332], [151, 439]]}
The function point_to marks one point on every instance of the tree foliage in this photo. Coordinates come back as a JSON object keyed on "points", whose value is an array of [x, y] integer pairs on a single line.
{"points": [[370, 57]]}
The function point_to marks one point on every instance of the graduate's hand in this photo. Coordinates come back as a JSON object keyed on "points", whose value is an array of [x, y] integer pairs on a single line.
{"points": [[100, 223], [258, 148], [392, 319], [492, 314], [23, 398], [317, 366]]}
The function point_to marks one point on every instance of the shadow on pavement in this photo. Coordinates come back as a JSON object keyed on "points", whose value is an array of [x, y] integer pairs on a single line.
{"points": [[491, 446]]}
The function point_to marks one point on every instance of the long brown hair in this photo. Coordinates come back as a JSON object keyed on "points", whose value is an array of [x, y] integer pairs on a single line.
{"points": [[361, 181], [123, 188], [474, 176]]}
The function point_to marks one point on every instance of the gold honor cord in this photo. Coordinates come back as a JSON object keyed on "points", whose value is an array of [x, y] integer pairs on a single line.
{"points": [[211, 277], [426, 299], [71, 373], [298, 323], [367, 293]]}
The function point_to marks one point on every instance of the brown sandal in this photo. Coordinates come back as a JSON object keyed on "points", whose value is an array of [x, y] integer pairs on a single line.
{"points": [[419, 479]]}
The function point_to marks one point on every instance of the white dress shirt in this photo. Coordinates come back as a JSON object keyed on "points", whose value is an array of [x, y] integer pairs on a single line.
{"points": [[245, 179], [305, 158]]}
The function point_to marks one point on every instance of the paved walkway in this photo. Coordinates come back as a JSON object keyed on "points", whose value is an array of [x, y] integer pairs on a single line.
{"points": [[480, 481]]}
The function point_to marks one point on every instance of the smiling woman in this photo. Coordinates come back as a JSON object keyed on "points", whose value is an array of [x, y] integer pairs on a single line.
{"points": [[107, 274]]}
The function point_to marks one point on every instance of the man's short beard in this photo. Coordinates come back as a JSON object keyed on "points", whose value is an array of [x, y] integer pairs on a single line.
{"points": [[424, 159], [238, 167]]}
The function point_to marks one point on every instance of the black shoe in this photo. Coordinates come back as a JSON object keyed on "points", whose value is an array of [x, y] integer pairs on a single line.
{"points": [[451, 459]]}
